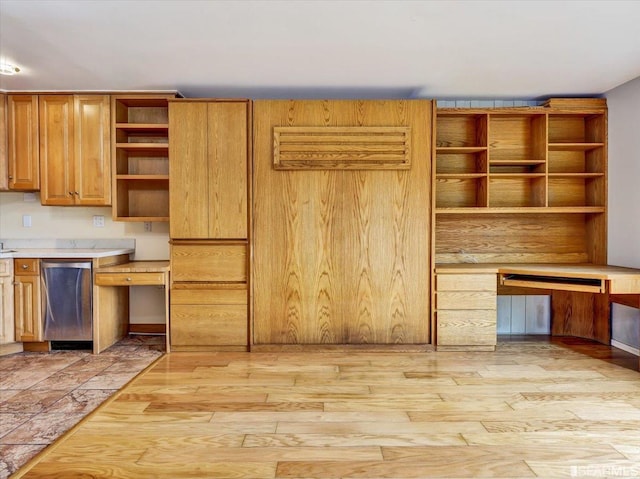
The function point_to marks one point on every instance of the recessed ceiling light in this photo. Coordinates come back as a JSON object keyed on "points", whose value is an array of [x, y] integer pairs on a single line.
{"points": [[8, 69]]}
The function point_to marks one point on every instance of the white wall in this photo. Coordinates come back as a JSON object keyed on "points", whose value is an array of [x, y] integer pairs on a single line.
{"points": [[57, 222], [624, 196]]}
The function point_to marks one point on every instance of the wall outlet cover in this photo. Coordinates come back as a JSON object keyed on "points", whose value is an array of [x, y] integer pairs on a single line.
{"points": [[98, 221]]}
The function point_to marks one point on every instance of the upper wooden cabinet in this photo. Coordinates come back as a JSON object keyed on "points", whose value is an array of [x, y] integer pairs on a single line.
{"points": [[22, 142], [75, 166], [140, 157], [208, 151], [4, 161]]}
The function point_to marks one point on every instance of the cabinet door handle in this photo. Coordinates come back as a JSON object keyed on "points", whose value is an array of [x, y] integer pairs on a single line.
{"points": [[76, 193]]}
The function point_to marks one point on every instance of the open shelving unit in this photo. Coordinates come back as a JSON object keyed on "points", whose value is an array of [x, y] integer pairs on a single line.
{"points": [[524, 184], [140, 125]]}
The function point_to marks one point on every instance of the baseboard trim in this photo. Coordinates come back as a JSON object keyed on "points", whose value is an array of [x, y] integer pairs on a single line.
{"points": [[147, 328], [625, 347]]}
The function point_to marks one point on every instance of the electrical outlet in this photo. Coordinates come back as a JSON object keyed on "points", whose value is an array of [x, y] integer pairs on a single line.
{"points": [[98, 221], [147, 225], [26, 221]]}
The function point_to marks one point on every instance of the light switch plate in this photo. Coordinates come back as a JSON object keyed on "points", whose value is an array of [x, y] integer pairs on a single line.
{"points": [[26, 221]]}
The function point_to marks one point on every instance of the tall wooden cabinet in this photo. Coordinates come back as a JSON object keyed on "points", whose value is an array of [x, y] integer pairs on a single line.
{"points": [[23, 143], [75, 161], [209, 165]]}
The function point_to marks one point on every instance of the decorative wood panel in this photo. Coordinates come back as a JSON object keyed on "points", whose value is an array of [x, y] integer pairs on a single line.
{"points": [[340, 256], [343, 147]]}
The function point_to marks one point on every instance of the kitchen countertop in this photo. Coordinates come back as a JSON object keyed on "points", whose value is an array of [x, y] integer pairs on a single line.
{"points": [[65, 248], [64, 252]]}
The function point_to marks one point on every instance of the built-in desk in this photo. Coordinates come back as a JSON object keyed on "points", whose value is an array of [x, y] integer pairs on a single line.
{"points": [[581, 297], [137, 273]]}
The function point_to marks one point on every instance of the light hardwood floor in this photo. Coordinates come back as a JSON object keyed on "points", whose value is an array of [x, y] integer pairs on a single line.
{"points": [[532, 408]]}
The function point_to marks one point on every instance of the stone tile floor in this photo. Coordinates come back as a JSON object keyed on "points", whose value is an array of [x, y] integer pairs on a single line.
{"points": [[43, 395]]}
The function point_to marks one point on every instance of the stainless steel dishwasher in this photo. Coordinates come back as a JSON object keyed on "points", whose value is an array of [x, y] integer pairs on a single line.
{"points": [[67, 300]]}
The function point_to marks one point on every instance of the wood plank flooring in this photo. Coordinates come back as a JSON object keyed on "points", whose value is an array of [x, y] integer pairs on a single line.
{"points": [[532, 408]]}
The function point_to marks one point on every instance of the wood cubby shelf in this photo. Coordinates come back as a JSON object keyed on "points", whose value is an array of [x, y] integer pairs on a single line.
{"points": [[141, 157]]}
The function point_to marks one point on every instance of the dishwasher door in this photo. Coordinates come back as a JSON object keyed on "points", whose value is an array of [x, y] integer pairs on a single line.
{"points": [[67, 298]]}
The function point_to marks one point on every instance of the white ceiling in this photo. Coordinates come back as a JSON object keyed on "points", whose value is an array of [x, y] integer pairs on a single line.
{"points": [[278, 49]]}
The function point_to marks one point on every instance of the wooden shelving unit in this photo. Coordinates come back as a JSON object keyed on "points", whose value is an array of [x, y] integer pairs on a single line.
{"points": [[140, 157], [507, 179]]}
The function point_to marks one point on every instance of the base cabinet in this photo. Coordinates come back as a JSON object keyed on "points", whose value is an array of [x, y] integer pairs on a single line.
{"points": [[466, 311], [27, 303]]}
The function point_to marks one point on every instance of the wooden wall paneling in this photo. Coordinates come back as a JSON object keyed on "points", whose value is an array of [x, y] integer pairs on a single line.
{"points": [[495, 238], [332, 247]]}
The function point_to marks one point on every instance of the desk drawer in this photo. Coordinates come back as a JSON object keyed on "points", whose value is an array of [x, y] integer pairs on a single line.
{"points": [[209, 263], [466, 282], [466, 328], [129, 279], [466, 300]]}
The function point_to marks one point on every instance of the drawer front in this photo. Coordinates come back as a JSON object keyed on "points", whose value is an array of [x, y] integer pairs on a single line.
{"points": [[209, 296], [466, 282], [209, 325], [465, 300], [26, 266], [5, 267], [129, 279], [466, 328], [205, 263]]}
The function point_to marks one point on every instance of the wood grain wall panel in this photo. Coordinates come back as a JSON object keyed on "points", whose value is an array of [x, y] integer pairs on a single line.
{"points": [[557, 238], [341, 256]]}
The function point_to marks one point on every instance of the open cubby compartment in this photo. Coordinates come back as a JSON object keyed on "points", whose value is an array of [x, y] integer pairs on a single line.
{"points": [[461, 130], [517, 138], [577, 128], [451, 163], [461, 192], [576, 191], [514, 191], [142, 163], [517, 238], [591, 160], [142, 110], [146, 200]]}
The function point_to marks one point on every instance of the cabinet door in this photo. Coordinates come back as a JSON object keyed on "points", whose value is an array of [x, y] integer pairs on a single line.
{"points": [[22, 142], [188, 170], [4, 161], [56, 150], [227, 158], [7, 325], [27, 308], [208, 170], [92, 167]]}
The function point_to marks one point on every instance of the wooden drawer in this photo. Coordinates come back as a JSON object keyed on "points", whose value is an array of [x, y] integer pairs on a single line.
{"points": [[209, 263], [26, 266], [209, 325], [209, 296], [5, 267], [466, 328], [466, 282], [465, 300], [129, 279]]}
